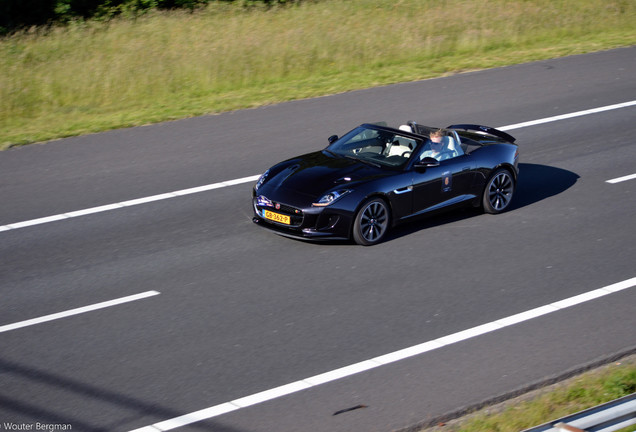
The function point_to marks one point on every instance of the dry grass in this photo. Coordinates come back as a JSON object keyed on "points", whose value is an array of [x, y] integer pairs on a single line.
{"points": [[98, 75]]}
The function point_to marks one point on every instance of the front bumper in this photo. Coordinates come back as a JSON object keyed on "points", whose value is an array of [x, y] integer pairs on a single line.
{"points": [[315, 223]]}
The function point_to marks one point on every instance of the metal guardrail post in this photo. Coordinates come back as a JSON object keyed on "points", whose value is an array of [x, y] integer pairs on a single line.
{"points": [[608, 417]]}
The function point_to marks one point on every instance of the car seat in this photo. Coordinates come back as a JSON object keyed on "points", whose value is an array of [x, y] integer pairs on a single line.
{"points": [[451, 146], [402, 146]]}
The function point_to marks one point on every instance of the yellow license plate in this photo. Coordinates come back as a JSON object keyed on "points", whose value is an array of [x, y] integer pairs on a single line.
{"points": [[276, 217]]}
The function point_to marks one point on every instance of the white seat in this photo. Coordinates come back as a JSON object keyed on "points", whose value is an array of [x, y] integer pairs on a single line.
{"points": [[451, 145], [401, 145]]}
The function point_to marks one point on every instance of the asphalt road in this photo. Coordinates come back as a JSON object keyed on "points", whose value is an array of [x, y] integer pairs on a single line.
{"points": [[236, 310]]}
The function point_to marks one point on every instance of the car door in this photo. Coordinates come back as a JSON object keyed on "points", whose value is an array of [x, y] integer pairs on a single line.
{"points": [[443, 185]]}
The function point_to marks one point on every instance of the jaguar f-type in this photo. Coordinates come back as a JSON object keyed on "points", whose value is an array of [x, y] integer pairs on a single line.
{"points": [[375, 177]]}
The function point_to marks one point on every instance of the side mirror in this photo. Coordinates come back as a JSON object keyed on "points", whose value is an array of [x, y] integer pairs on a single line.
{"points": [[427, 162], [332, 139]]}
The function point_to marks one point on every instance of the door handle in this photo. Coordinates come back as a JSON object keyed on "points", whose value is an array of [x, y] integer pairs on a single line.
{"points": [[403, 190]]}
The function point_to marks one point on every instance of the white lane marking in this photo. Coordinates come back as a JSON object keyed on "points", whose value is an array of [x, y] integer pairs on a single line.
{"points": [[621, 179], [568, 116], [255, 177], [366, 365], [129, 203], [77, 311]]}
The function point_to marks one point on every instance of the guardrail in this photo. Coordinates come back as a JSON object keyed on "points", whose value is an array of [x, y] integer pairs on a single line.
{"points": [[608, 417]]}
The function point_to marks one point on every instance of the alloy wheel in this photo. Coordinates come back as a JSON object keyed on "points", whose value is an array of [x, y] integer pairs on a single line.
{"points": [[374, 221], [500, 191]]}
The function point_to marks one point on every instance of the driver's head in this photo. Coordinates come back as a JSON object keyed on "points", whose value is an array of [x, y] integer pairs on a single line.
{"points": [[436, 139]]}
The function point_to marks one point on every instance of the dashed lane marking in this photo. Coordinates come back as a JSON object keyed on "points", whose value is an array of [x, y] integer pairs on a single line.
{"points": [[77, 311]]}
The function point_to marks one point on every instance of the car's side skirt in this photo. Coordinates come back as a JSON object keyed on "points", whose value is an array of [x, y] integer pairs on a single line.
{"points": [[456, 201]]}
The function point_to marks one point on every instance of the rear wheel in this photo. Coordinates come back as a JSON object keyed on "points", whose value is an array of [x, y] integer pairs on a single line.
{"points": [[371, 222], [498, 192]]}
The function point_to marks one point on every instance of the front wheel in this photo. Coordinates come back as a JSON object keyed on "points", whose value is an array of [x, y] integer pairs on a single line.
{"points": [[371, 222], [498, 192]]}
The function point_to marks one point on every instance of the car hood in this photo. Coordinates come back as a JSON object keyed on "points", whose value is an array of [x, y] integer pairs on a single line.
{"points": [[317, 173]]}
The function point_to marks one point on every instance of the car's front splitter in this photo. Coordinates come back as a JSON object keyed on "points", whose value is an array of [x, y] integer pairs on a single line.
{"points": [[300, 234]]}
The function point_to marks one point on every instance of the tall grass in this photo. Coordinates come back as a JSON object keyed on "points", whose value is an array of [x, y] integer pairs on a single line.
{"points": [[91, 76]]}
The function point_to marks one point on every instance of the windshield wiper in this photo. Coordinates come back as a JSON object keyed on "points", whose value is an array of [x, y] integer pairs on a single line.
{"points": [[364, 161], [333, 153]]}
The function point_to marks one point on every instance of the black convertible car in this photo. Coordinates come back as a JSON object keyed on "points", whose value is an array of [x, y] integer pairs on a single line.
{"points": [[375, 177]]}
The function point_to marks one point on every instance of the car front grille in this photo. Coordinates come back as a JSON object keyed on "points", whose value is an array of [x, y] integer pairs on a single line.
{"points": [[262, 203]]}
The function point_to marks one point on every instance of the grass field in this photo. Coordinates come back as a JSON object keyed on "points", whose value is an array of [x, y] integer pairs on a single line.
{"points": [[93, 76], [584, 391]]}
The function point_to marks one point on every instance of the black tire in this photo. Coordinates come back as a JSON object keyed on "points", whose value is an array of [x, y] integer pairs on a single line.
{"points": [[372, 222], [498, 191]]}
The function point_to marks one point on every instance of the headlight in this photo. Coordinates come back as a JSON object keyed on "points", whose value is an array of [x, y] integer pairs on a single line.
{"points": [[261, 180], [331, 197]]}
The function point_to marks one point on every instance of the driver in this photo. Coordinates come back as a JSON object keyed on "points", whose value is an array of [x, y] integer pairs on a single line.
{"points": [[436, 147]]}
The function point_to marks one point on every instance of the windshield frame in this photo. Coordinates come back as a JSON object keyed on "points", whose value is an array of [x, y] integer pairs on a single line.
{"points": [[383, 147]]}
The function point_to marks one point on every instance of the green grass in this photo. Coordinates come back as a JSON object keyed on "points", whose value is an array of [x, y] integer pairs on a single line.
{"points": [[93, 76], [584, 391]]}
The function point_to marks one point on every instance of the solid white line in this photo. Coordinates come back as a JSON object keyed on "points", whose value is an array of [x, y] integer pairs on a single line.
{"points": [[77, 311], [253, 178], [622, 179], [217, 410]]}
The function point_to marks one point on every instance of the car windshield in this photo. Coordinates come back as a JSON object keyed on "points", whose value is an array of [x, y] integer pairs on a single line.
{"points": [[378, 147]]}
